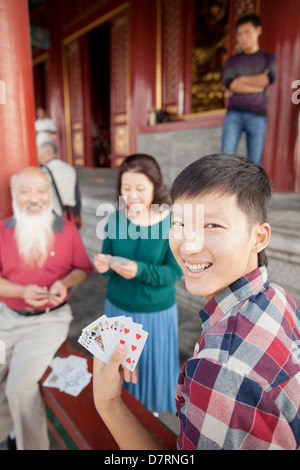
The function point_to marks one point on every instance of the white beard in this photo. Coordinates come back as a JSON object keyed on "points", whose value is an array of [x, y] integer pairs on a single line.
{"points": [[34, 236]]}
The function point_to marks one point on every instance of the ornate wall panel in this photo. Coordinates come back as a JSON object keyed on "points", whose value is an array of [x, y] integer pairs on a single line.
{"points": [[119, 87], [73, 11], [73, 90], [170, 48], [172, 53], [241, 7]]}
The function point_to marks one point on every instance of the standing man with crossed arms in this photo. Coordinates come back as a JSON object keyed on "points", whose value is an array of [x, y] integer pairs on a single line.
{"points": [[246, 77]]}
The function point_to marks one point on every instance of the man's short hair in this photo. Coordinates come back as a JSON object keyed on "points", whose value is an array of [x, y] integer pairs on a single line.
{"points": [[248, 18], [48, 146], [228, 174]]}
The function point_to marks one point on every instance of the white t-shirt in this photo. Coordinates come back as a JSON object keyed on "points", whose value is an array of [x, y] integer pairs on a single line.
{"points": [[65, 179]]}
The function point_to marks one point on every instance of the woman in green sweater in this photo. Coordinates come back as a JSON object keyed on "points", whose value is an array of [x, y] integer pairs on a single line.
{"points": [[144, 286]]}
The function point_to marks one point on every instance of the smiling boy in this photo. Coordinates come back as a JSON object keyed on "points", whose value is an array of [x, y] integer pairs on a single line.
{"points": [[241, 388]]}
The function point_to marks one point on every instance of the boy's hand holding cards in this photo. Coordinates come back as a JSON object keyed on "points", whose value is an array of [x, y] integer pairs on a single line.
{"points": [[103, 335]]}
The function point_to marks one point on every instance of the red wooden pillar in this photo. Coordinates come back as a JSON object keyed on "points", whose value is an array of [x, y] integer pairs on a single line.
{"points": [[281, 35], [17, 134], [142, 66]]}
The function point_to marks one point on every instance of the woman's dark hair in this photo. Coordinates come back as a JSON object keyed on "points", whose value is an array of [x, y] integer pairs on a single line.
{"points": [[228, 174], [142, 163]]}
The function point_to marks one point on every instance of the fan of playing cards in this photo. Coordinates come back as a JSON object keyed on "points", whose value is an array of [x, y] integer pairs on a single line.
{"points": [[102, 336]]}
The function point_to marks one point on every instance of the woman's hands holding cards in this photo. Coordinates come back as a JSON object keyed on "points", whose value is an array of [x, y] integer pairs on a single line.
{"points": [[128, 271], [101, 263], [125, 268]]}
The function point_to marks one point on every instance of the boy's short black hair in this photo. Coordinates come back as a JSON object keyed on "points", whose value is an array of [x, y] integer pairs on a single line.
{"points": [[248, 18], [228, 174]]}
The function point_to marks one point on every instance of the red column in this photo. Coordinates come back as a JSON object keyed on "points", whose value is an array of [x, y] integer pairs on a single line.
{"points": [[17, 114], [281, 35], [142, 66]]}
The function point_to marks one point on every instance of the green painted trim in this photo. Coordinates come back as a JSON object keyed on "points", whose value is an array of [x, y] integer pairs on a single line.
{"points": [[63, 434]]}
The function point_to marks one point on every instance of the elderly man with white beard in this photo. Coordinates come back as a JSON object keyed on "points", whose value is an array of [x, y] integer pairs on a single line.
{"points": [[41, 257]]}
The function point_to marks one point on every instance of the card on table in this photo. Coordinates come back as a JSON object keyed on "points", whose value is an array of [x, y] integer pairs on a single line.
{"points": [[101, 337], [69, 374]]}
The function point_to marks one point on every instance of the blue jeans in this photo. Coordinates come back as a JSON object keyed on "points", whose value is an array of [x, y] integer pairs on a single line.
{"points": [[255, 127]]}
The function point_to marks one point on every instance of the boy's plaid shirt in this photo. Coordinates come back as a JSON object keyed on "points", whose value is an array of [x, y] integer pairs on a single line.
{"points": [[241, 388]]}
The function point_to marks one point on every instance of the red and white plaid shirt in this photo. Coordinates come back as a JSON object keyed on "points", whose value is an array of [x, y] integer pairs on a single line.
{"points": [[241, 388]]}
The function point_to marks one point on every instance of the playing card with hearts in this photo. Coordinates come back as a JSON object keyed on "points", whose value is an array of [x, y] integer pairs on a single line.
{"points": [[101, 337]]}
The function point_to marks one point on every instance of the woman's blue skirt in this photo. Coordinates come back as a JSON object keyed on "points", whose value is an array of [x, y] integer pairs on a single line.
{"points": [[158, 365]]}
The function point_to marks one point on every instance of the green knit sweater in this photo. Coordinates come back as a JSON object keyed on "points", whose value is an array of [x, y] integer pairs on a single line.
{"points": [[153, 287]]}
